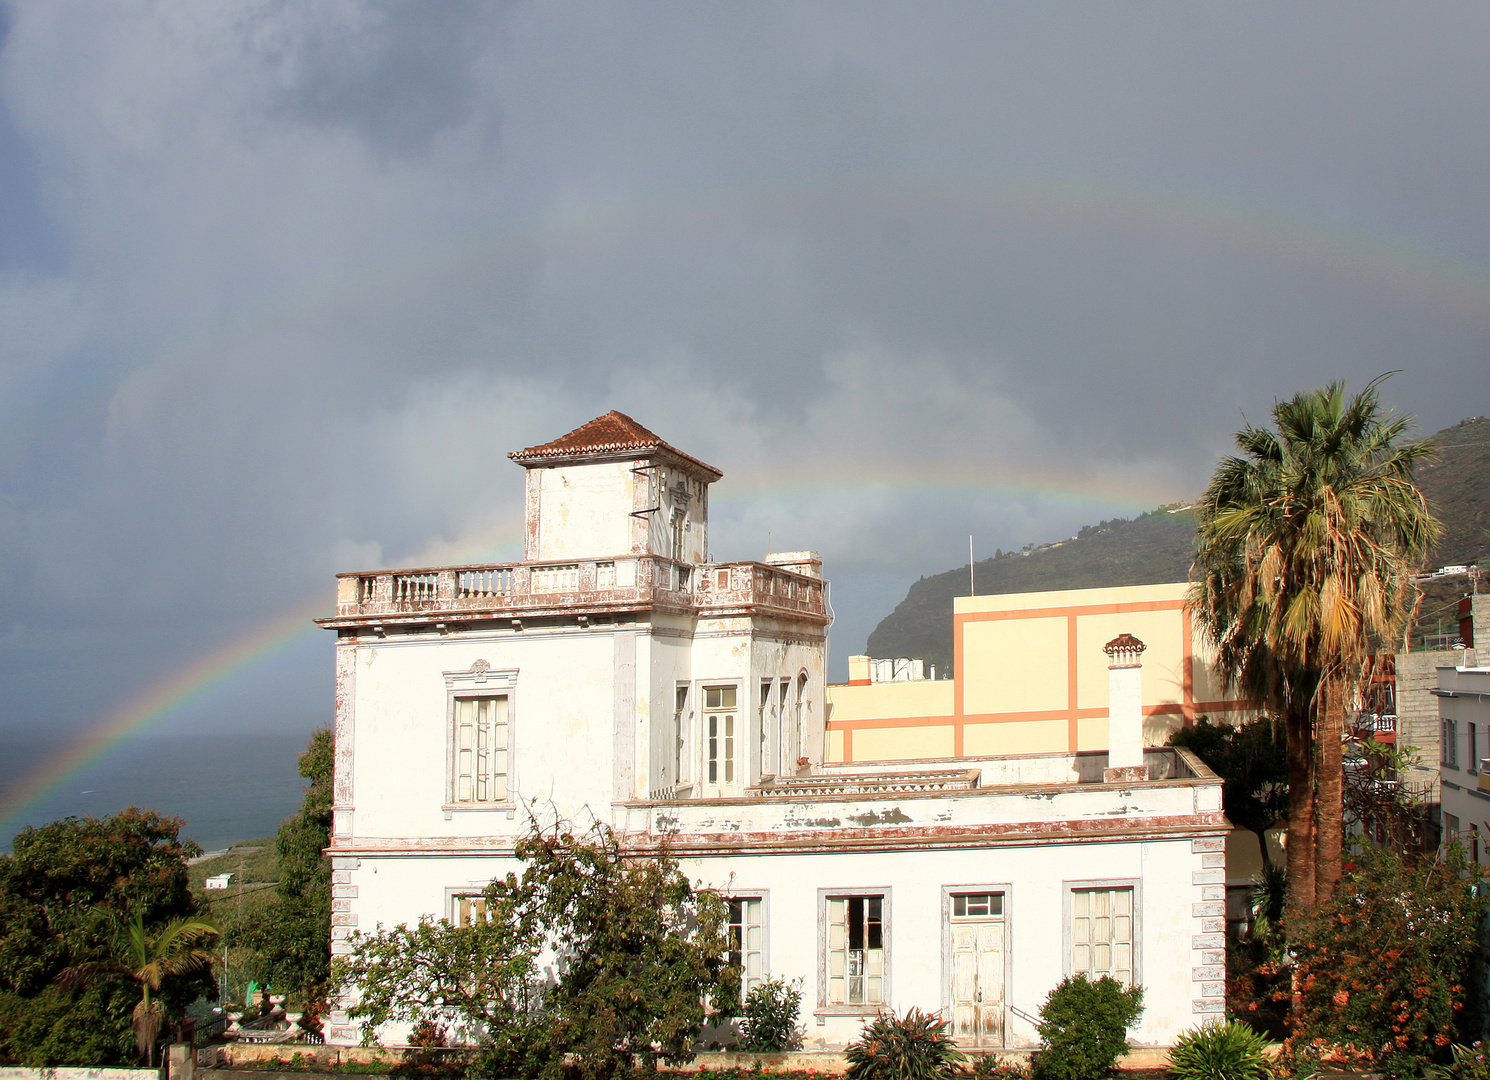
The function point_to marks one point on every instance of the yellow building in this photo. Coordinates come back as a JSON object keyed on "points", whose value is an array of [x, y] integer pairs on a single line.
{"points": [[1031, 678]]}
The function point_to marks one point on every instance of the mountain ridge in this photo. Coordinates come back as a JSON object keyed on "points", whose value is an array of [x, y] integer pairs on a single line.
{"points": [[1157, 547]]}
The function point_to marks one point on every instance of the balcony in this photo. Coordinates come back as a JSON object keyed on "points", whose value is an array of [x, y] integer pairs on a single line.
{"points": [[583, 586], [1379, 726]]}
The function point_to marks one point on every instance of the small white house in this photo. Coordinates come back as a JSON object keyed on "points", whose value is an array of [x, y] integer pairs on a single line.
{"points": [[217, 881], [617, 671]]}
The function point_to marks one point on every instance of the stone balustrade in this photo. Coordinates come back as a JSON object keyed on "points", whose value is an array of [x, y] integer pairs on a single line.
{"points": [[513, 589]]}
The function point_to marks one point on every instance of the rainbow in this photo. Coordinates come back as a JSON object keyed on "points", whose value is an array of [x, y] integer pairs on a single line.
{"points": [[157, 702], [169, 695]]}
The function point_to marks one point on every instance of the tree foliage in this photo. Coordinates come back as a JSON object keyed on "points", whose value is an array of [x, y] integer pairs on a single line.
{"points": [[1252, 761], [64, 890], [633, 954], [293, 939], [1306, 543]]}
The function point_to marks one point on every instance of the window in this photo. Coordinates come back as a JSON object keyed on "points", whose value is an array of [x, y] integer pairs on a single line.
{"points": [[480, 765], [678, 519], [680, 714], [797, 731], [977, 906], [763, 750], [468, 909], [747, 940], [479, 739], [1448, 749], [719, 725], [1472, 762], [789, 750], [1451, 826], [855, 951], [1102, 935]]}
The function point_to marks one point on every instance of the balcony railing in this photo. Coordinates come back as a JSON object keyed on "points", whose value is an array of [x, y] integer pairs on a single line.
{"points": [[1370, 724], [593, 583]]}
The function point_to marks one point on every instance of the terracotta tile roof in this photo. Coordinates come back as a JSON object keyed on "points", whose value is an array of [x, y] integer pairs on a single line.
{"points": [[614, 434]]}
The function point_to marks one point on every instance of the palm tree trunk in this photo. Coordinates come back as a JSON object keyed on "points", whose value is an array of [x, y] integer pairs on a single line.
{"points": [[1329, 808], [1300, 853]]}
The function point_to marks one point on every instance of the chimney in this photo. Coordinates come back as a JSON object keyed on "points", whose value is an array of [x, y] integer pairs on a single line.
{"points": [[1124, 710]]}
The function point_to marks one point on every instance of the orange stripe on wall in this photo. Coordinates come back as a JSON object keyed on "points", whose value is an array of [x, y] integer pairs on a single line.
{"points": [[1172, 708], [1060, 612]]}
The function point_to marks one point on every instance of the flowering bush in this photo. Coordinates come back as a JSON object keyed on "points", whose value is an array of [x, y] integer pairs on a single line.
{"points": [[1386, 965]]}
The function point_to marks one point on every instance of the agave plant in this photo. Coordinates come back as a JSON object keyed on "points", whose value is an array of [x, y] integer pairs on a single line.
{"points": [[1231, 1051], [915, 1046]]}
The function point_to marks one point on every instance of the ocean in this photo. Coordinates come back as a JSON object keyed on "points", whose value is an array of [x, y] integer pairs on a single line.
{"points": [[227, 787]]}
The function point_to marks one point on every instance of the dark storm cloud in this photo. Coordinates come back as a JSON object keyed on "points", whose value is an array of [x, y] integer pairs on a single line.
{"points": [[400, 74], [295, 276]]}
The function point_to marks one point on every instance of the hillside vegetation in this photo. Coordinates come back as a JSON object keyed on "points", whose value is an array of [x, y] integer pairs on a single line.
{"points": [[1156, 548]]}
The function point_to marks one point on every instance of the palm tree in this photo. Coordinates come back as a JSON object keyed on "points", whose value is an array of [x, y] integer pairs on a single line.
{"points": [[149, 959], [1305, 550]]}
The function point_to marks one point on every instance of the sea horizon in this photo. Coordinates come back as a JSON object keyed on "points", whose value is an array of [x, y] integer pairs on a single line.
{"points": [[225, 788]]}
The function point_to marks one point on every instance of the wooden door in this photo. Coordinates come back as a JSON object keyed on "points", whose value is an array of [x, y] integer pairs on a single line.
{"points": [[978, 981]]}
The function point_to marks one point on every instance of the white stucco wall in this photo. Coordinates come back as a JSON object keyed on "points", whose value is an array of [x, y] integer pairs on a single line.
{"points": [[585, 510], [1035, 881]]}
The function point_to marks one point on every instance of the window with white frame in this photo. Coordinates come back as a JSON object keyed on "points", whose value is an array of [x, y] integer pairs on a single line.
{"points": [[480, 748], [1102, 937], [1448, 744], [1451, 826], [721, 723], [854, 952], [747, 940]]}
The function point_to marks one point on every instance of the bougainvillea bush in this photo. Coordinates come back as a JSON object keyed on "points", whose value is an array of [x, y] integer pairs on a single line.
{"points": [[1388, 966]]}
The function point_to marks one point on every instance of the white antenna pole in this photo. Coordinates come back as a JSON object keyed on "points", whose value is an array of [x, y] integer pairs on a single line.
{"points": [[972, 581]]}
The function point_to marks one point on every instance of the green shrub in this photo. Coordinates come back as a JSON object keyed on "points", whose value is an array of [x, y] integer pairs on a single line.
{"points": [[915, 1046], [768, 1022], [1220, 1052], [1085, 1027]]}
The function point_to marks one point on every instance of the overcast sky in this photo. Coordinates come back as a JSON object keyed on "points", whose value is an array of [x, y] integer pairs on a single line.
{"points": [[281, 283]]}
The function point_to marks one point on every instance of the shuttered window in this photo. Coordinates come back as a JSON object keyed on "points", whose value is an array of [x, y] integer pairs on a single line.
{"points": [[1102, 933], [481, 747]]}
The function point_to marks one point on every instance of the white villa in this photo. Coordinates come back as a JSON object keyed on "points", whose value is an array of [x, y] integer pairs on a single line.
{"points": [[618, 671]]}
